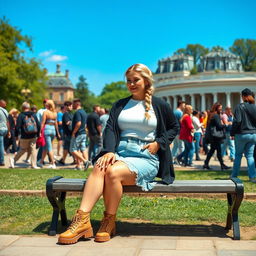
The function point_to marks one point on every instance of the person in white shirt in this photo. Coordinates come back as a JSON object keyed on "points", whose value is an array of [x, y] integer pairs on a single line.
{"points": [[197, 133]]}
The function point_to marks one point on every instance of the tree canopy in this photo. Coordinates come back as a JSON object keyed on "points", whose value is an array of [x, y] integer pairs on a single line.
{"points": [[113, 92], [195, 50], [88, 99], [246, 50], [16, 71]]}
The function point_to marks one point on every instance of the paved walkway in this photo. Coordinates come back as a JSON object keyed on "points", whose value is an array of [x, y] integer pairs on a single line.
{"points": [[131, 245]]}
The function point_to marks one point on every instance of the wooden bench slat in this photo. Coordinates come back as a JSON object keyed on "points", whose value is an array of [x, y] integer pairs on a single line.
{"points": [[179, 186]]}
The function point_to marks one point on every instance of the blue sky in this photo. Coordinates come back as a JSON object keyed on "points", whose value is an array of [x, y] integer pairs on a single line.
{"points": [[101, 39]]}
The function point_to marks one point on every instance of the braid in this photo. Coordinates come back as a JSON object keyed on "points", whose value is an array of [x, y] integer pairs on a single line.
{"points": [[148, 100]]}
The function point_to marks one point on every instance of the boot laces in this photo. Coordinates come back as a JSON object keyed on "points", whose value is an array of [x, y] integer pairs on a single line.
{"points": [[76, 221]]}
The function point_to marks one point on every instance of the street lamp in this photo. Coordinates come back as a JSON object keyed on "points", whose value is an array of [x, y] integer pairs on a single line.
{"points": [[26, 92]]}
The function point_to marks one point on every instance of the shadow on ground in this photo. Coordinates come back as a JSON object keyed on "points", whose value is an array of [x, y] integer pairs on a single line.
{"points": [[125, 229]]}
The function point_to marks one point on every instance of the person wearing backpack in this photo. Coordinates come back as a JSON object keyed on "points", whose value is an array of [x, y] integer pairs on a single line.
{"points": [[28, 127]]}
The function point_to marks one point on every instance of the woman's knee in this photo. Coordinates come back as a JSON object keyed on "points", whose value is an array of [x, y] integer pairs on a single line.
{"points": [[111, 173]]}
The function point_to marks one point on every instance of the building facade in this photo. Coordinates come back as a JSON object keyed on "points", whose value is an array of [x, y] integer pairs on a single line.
{"points": [[220, 78], [60, 88]]}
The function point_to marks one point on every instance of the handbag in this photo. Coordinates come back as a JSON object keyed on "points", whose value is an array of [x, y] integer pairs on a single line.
{"points": [[40, 142], [218, 134]]}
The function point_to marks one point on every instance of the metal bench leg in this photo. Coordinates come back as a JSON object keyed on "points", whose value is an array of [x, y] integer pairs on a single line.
{"points": [[229, 214], [53, 199], [234, 202], [63, 214]]}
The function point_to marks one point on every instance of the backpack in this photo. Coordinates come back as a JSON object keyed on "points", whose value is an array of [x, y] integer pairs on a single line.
{"points": [[29, 125]]}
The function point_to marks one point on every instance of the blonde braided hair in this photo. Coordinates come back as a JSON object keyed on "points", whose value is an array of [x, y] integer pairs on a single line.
{"points": [[146, 73]]}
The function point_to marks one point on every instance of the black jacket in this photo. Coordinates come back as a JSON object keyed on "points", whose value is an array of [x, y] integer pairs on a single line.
{"points": [[166, 130], [244, 121], [214, 122], [20, 123]]}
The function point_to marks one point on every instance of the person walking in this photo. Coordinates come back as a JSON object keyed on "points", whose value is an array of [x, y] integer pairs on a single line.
{"points": [[67, 130], [28, 127], [50, 126], [178, 144], [60, 128], [39, 115], [215, 124], [94, 128], [227, 118], [136, 150], [12, 118], [4, 129], [244, 130], [197, 134], [187, 135], [78, 136]]}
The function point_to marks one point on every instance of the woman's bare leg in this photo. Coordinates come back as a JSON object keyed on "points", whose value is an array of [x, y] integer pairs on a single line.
{"points": [[116, 176], [93, 189]]}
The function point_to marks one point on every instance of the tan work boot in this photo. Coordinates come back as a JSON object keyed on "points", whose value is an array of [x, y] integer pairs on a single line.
{"points": [[107, 228], [80, 227]]}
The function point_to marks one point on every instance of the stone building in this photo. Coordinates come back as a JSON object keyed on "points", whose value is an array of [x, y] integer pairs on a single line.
{"points": [[220, 78], [60, 88]]}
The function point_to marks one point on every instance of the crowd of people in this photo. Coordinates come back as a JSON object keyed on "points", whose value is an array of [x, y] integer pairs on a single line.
{"points": [[33, 131], [136, 145], [220, 131]]}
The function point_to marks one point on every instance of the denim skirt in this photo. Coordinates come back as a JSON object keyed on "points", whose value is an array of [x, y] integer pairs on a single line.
{"points": [[139, 160]]}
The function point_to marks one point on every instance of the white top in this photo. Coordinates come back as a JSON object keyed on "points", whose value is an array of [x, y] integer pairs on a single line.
{"points": [[197, 124], [133, 123], [39, 114], [3, 119]]}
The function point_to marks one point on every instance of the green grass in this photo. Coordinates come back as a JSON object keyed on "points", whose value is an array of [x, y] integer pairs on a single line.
{"points": [[35, 179], [32, 215]]}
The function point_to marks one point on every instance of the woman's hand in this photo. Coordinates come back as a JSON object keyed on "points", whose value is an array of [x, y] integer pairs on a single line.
{"points": [[106, 160], [152, 147]]}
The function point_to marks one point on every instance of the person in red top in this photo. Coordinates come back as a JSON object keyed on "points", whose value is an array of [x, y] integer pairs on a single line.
{"points": [[186, 134]]}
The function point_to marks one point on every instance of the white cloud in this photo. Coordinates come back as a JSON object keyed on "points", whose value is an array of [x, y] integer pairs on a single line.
{"points": [[46, 53], [56, 58]]}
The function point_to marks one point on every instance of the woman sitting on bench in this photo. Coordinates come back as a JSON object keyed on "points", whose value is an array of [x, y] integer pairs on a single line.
{"points": [[136, 149]]}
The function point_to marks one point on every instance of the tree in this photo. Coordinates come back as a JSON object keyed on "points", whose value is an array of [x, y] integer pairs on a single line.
{"points": [[82, 92], [113, 92], [16, 71], [217, 48], [195, 50], [246, 50]]}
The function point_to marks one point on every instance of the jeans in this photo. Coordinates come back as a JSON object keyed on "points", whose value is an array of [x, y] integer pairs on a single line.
{"points": [[244, 143], [188, 153], [2, 135], [178, 146], [197, 137], [49, 134], [230, 144], [95, 146], [78, 143]]}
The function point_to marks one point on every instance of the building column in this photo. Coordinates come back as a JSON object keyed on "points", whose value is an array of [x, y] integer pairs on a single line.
{"points": [[174, 101], [215, 97], [183, 97], [193, 101], [203, 108], [228, 101]]}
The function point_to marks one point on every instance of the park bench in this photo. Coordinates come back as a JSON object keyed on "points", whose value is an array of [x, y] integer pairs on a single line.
{"points": [[57, 187]]}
